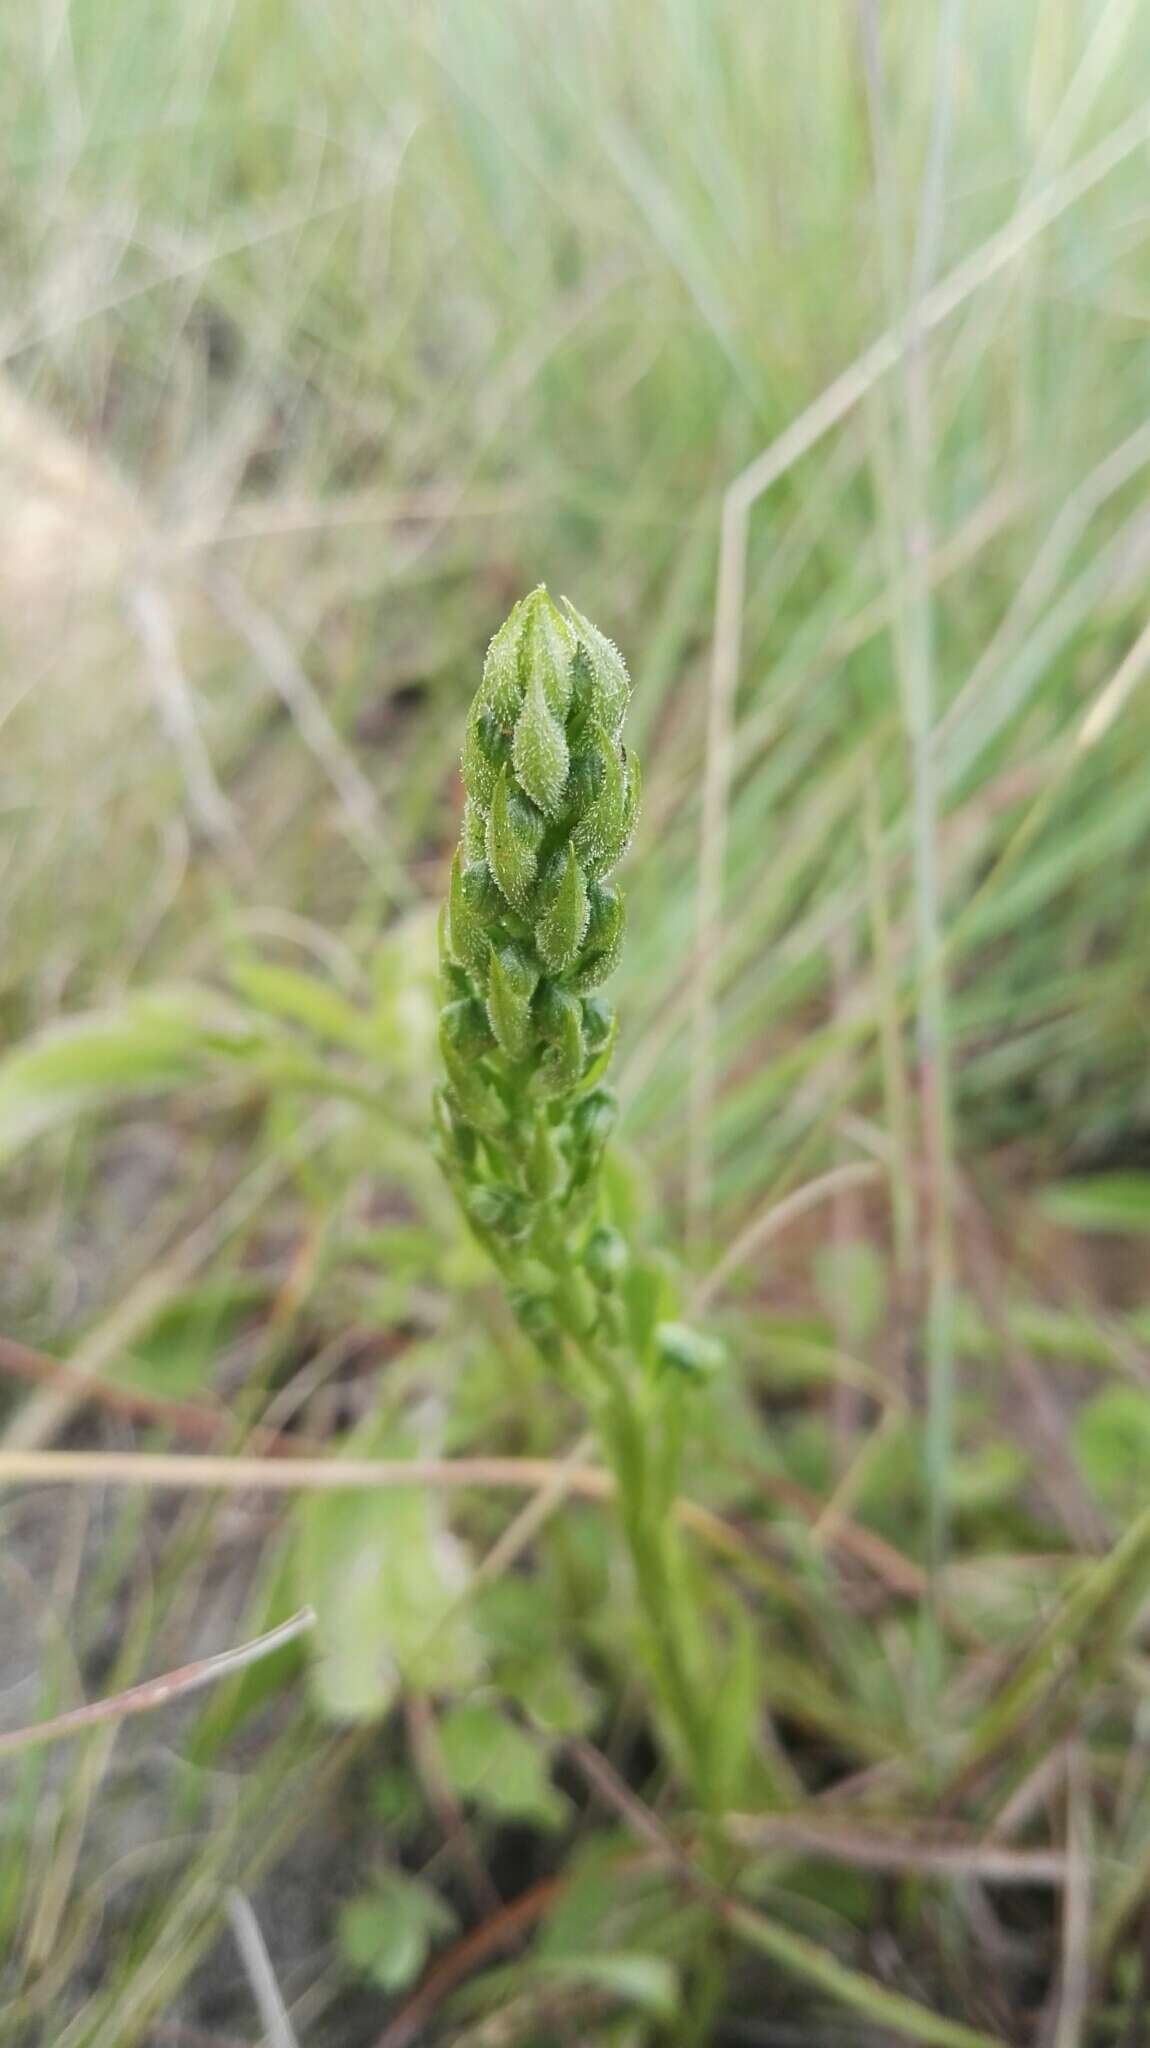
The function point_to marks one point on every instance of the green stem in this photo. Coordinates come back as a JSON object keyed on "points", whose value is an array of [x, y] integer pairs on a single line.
{"points": [[645, 1475]]}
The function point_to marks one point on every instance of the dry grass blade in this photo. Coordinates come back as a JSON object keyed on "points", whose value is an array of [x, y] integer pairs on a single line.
{"points": [[175, 706], [195, 1420], [762, 1229], [278, 2029], [271, 648], [550, 1478], [157, 1692], [866, 1847], [1074, 1987], [794, 1953], [833, 405]]}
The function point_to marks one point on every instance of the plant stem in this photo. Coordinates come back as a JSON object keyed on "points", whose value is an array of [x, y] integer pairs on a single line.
{"points": [[645, 1465]]}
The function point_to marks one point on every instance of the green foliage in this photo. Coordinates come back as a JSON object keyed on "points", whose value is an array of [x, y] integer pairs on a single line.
{"points": [[1112, 1443], [153, 1042], [497, 1766], [1102, 1202], [523, 1123], [385, 1933], [525, 940], [467, 317], [386, 1580]]}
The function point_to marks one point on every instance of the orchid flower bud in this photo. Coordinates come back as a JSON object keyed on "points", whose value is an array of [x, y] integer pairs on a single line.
{"points": [[532, 924]]}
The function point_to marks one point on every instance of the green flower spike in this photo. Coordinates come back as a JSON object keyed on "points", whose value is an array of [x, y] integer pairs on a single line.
{"points": [[533, 926]]}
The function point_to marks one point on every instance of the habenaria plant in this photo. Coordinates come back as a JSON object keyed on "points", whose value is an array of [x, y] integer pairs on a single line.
{"points": [[532, 928]]}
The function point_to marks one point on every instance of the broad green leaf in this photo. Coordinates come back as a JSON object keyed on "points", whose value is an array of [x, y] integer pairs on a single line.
{"points": [[154, 1041], [1111, 1434], [554, 1694], [646, 1293], [385, 1577], [386, 1933], [735, 1714], [283, 992], [498, 1767]]}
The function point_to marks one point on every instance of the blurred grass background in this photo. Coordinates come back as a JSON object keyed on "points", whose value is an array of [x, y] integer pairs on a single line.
{"points": [[326, 332]]}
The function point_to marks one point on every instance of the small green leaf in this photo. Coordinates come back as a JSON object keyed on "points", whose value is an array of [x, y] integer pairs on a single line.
{"points": [[556, 1697], [546, 1171], [595, 1116], [514, 830], [735, 1716], [1112, 1441], [546, 648], [456, 1138], [647, 1982], [539, 751], [601, 834], [562, 925], [491, 1762], [385, 1576], [485, 750], [598, 1023], [610, 684], [386, 1933], [535, 1311], [646, 1296], [473, 834], [604, 941], [585, 779], [473, 1095], [510, 986], [560, 1023], [466, 934], [501, 691], [466, 1025]]}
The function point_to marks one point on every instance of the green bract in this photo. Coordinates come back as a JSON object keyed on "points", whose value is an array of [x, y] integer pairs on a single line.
{"points": [[532, 926]]}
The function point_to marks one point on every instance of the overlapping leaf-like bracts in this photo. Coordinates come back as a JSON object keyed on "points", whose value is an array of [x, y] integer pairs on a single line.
{"points": [[533, 924]]}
